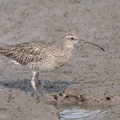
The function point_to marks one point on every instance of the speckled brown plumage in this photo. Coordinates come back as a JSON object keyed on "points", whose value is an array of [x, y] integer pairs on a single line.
{"points": [[41, 57], [36, 56]]}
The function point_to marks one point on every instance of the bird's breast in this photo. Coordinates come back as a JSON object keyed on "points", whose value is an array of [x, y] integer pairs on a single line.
{"points": [[47, 64], [50, 62]]}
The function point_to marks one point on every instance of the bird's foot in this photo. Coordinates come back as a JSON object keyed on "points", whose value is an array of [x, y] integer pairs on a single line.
{"points": [[43, 93], [48, 99], [35, 94]]}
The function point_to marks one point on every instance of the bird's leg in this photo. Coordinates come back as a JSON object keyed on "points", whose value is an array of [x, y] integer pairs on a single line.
{"points": [[41, 87], [33, 84]]}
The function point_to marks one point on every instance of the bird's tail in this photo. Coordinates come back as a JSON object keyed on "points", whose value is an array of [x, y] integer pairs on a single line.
{"points": [[9, 51], [2, 50], [5, 51]]}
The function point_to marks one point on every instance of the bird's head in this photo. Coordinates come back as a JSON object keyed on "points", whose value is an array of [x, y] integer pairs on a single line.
{"points": [[71, 39]]}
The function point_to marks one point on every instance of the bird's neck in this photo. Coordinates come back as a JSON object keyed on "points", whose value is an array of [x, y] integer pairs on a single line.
{"points": [[63, 56], [66, 48], [66, 45]]}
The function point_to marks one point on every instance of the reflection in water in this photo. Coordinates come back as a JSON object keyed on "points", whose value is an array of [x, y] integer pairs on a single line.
{"points": [[78, 114]]}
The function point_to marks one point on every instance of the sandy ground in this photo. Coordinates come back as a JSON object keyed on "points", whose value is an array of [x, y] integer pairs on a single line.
{"points": [[91, 76]]}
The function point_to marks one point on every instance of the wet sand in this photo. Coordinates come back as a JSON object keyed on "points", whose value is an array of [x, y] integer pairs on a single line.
{"points": [[91, 76]]}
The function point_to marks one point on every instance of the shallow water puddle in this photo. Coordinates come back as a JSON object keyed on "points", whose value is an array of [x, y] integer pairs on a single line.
{"points": [[79, 113]]}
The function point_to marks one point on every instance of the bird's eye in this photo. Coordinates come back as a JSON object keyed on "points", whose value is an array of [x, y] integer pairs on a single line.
{"points": [[72, 38]]}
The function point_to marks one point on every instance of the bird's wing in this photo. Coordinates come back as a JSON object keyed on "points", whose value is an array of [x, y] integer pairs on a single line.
{"points": [[25, 53]]}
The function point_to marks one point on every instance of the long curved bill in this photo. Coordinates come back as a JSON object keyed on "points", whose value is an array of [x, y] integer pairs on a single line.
{"points": [[82, 41]]}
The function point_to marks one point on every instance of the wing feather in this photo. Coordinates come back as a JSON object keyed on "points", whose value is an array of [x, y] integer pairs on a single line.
{"points": [[25, 53]]}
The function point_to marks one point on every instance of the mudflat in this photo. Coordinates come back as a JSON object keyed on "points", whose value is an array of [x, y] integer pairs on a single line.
{"points": [[91, 77]]}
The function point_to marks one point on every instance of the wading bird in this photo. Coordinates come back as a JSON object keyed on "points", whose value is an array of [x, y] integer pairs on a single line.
{"points": [[40, 57]]}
